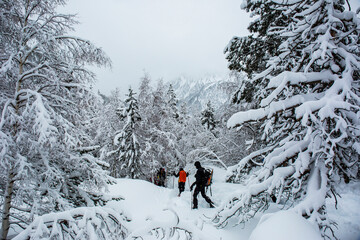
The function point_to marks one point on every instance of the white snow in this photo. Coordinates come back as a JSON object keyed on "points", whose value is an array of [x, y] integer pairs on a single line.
{"points": [[284, 225], [158, 210], [149, 206], [347, 214]]}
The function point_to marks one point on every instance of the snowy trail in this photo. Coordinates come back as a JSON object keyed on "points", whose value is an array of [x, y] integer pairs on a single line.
{"points": [[147, 205], [144, 202]]}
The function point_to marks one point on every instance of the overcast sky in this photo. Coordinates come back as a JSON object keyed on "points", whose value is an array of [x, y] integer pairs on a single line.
{"points": [[166, 38]]}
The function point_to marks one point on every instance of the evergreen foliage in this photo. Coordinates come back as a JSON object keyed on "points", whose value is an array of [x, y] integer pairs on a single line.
{"points": [[128, 148], [207, 117], [250, 54], [310, 111], [172, 102]]}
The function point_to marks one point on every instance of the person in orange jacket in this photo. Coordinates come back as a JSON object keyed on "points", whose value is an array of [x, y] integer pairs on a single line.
{"points": [[182, 179]]}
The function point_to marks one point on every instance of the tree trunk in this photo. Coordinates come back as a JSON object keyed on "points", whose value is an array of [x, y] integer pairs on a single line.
{"points": [[7, 206], [11, 177]]}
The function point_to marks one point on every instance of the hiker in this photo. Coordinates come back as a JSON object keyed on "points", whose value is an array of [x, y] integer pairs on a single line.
{"points": [[200, 183], [160, 177], [182, 179]]}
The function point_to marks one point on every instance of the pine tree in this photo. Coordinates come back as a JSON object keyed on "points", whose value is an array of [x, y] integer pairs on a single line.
{"points": [[43, 99], [129, 162], [172, 102], [207, 117], [162, 140], [183, 113], [250, 54], [310, 113], [145, 92], [159, 113]]}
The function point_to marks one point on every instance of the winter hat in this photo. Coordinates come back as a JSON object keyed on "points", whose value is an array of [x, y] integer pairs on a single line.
{"points": [[197, 164]]}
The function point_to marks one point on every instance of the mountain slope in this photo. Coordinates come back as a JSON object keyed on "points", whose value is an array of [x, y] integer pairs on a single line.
{"points": [[197, 92]]}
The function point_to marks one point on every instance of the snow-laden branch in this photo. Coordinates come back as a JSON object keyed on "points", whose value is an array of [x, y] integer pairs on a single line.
{"points": [[309, 110], [8, 64], [79, 223], [259, 114], [234, 172], [279, 82], [247, 202], [205, 155]]}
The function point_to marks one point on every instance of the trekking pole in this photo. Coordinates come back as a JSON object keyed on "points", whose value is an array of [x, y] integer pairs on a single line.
{"points": [[190, 198], [188, 181]]}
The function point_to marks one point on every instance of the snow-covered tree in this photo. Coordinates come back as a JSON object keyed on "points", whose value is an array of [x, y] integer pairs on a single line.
{"points": [[207, 117], [128, 150], [158, 107], [145, 92], [310, 112], [172, 102], [105, 125], [161, 136], [183, 113], [44, 92], [250, 54]]}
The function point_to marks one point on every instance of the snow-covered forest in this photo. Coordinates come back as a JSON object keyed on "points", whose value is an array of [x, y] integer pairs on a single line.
{"points": [[281, 132]]}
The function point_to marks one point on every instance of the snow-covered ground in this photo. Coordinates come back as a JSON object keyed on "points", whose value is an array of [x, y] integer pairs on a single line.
{"points": [[146, 203], [347, 214], [149, 206]]}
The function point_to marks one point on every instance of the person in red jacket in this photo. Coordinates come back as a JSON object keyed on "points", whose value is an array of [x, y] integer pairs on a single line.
{"points": [[182, 179]]}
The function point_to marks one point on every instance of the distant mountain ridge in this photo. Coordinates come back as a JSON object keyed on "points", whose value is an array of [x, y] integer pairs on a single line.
{"points": [[197, 92]]}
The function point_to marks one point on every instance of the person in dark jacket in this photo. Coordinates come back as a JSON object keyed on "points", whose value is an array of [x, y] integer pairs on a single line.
{"points": [[182, 179], [161, 177], [200, 186]]}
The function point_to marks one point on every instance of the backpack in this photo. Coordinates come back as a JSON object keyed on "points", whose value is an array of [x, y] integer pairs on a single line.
{"points": [[208, 173]]}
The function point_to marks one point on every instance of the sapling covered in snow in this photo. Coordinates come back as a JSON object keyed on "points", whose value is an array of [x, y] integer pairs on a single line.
{"points": [[44, 94], [310, 111]]}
